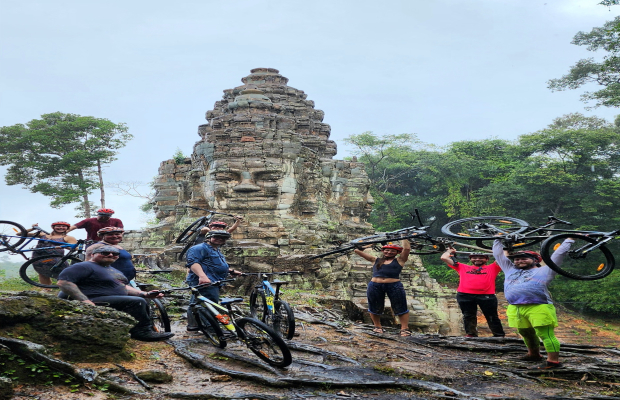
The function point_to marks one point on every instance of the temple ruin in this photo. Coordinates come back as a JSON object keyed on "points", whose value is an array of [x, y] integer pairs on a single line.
{"points": [[265, 153]]}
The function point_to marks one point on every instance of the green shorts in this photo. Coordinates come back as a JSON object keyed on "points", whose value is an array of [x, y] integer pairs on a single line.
{"points": [[531, 315]]}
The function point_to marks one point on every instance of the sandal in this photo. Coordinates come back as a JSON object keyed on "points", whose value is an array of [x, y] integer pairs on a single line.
{"points": [[378, 330], [405, 332]]}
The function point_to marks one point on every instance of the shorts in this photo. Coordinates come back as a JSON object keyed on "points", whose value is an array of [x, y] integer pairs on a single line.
{"points": [[376, 297], [531, 315]]}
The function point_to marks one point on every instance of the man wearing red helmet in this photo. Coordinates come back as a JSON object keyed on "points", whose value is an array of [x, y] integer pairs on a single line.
{"points": [[386, 280], [531, 308], [476, 289], [92, 225], [59, 234]]}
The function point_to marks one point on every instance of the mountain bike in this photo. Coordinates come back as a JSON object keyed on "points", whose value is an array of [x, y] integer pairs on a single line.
{"points": [[219, 324], [267, 306], [157, 311], [588, 259], [191, 236]]}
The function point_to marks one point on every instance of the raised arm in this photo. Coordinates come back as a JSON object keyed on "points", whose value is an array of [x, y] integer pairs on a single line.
{"points": [[365, 255], [404, 255], [447, 256], [500, 258]]}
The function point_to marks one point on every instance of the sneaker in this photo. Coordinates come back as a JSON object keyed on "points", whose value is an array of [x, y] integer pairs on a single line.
{"points": [[192, 328], [149, 335], [471, 335], [531, 358]]}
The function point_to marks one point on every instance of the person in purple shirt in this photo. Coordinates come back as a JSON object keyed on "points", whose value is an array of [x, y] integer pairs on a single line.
{"points": [[531, 309]]}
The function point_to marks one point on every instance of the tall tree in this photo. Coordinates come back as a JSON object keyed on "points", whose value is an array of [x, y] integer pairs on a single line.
{"points": [[61, 155], [605, 72]]}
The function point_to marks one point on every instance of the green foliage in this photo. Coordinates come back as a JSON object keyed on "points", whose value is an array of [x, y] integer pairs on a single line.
{"points": [[58, 155], [179, 157], [589, 296], [605, 73], [23, 370]]}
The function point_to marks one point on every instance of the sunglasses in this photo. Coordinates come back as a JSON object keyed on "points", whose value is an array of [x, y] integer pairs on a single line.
{"points": [[108, 253]]}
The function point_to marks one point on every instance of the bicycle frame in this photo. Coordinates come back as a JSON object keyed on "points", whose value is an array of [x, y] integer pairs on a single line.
{"points": [[213, 308], [21, 249]]}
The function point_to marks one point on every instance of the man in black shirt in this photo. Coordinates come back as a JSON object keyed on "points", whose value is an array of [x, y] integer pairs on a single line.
{"points": [[94, 282]]}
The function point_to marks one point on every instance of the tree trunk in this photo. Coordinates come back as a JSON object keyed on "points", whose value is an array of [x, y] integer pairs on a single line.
{"points": [[100, 173], [85, 200]]}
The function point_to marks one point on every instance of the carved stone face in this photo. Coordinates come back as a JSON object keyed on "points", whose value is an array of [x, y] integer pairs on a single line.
{"points": [[251, 184]]}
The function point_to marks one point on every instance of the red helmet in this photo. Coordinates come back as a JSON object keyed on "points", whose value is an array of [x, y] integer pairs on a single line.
{"points": [[109, 229], [105, 211], [479, 255], [61, 223], [526, 253], [218, 223], [393, 247]]}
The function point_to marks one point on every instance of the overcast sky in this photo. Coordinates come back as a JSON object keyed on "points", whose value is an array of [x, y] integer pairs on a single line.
{"points": [[446, 70]]}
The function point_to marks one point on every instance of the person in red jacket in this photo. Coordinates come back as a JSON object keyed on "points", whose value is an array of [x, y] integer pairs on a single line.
{"points": [[92, 225], [476, 289]]}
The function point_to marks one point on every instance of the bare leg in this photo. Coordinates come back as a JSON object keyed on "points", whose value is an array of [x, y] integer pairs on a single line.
{"points": [[376, 320], [404, 321], [45, 280]]}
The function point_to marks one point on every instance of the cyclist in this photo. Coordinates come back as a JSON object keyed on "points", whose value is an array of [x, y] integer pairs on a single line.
{"points": [[476, 289], [95, 282], [112, 236], [531, 308], [386, 280], [206, 264], [58, 234], [219, 226], [92, 225]]}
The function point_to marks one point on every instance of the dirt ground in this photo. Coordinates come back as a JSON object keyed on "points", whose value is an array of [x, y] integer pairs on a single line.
{"points": [[347, 360]]}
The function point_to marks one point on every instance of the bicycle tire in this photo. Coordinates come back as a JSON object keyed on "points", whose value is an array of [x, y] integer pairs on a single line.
{"points": [[258, 305], [265, 343], [465, 228], [209, 326], [30, 273], [185, 249], [9, 228], [159, 316], [283, 319], [600, 260], [190, 230], [488, 244]]}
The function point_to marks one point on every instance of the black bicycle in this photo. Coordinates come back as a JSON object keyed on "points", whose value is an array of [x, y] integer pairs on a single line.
{"points": [[267, 306], [219, 324], [588, 258], [157, 310], [191, 236]]}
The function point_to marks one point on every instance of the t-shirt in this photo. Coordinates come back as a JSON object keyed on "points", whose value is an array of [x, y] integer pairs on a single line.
{"points": [[476, 280], [95, 280], [528, 286], [92, 225], [212, 261], [124, 264]]}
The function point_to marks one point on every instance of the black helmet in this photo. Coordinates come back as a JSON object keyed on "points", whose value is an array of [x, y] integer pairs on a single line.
{"points": [[218, 233]]}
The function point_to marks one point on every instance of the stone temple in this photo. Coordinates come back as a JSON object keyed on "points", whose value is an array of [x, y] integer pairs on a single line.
{"points": [[265, 153]]}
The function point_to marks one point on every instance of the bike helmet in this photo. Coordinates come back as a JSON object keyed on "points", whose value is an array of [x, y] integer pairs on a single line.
{"points": [[393, 247], [526, 253], [479, 254], [218, 224], [109, 229], [61, 223], [105, 211], [218, 233]]}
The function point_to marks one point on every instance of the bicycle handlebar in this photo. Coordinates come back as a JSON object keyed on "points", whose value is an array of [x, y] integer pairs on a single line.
{"points": [[216, 283], [272, 273]]}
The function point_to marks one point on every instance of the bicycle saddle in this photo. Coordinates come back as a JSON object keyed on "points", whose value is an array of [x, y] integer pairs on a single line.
{"points": [[230, 300]]}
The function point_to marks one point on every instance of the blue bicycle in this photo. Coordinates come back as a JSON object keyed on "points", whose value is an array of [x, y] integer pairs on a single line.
{"points": [[40, 270], [266, 305]]}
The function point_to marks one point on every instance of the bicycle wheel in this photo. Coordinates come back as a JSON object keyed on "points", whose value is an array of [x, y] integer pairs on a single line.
{"points": [[483, 227], [190, 230], [159, 316], [582, 262], [258, 305], [283, 319], [488, 244], [43, 271], [209, 326], [265, 343], [8, 228]]}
